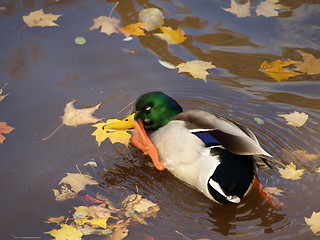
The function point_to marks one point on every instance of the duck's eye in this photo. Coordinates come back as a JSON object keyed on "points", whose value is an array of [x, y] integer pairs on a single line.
{"points": [[147, 108]]}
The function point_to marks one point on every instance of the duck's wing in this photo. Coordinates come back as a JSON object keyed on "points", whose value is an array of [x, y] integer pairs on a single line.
{"points": [[234, 137]]}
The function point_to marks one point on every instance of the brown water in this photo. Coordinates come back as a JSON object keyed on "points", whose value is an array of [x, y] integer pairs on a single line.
{"points": [[45, 69]]}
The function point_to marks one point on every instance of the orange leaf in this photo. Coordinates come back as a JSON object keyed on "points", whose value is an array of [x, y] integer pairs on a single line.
{"points": [[134, 29], [196, 68], [172, 36], [277, 70], [5, 129]]}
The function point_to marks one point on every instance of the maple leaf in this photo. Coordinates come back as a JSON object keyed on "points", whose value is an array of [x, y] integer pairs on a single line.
{"points": [[4, 129], [273, 191], [40, 19], [133, 29], [291, 172], [295, 119], [135, 202], [108, 25], [78, 181], [103, 132], [277, 70], [172, 36], [299, 155], [66, 232], [2, 96], [153, 18], [310, 64], [196, 68], [314, 222], [269, 7], [240, 10]]}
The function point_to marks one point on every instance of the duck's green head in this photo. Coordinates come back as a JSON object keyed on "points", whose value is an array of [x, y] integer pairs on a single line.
{"points": [[156, 109]]}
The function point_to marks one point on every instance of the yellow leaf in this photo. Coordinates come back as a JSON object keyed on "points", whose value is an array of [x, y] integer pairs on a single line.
{"points": [[55, 219], [94, 222], [66, 233], [240, 10], [40, 19], [291, 172], [108, 25], [268, 8], [134, 29], [273, 191], [81, 211], [78, 181], [310, 64], [295, 119], [75, 117], [314, 222], [172, 36], [103, 132], [277, 70], [64, 193], [196, 68]]}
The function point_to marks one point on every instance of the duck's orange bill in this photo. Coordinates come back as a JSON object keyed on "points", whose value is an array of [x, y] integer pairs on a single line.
{"points": [[141, 140]]}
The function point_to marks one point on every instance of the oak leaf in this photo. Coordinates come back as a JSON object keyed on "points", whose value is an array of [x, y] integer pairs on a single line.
{"points": [[240, 10], [310, 64], [40, 19], [4, 129], [277, 70], [291, 172], [153, 18], [66, 232], [103, 132], [108, 25], [295, 119], [3, 96], [134, 29], [78, 181], [172, 36], [196, 68], [269, 8], [314, 222]]}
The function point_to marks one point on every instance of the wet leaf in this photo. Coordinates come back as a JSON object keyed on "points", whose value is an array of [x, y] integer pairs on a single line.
{"points": [[94, 222], [314, 222], [66, 232], [277, 70], [80, 212], [2, 96], [40, 19], [310, 64], [240, 10], [78, 181], [91, 164], [100, 211], [291, 172], [108, 25], [55, 219], [153, 18], [102, 133], [273, 191], [135, 202], [172, 36], [4, 129], [295, 119], [91, 199], [64, 193], [134, 29], [258, 120], [299, 155], [80, 40], [196, 68], [167, 64], [119, 233], [269, 8]]}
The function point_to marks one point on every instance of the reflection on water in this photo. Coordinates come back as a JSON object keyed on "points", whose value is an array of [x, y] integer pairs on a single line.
{"points": [[45, 69]]}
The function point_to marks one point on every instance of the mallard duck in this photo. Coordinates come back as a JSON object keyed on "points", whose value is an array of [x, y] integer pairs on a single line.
{"points": [[211, 153]]}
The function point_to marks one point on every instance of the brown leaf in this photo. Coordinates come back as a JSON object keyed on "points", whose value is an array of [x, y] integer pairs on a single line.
{"points": [[119, 233], [99, 211], [108, 25], [40, 19], [295, 119], [277, 70], [64, 193], [269, 8], [78, 181], [273, 191], [2, 96], [240, 10], [299, 155], [55, 219], [196, 68], [310, 64], [4, 129]]}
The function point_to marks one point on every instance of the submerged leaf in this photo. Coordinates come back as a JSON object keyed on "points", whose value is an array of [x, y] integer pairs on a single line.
{"points": [[153, 18], [172, 36], [196, 68], [310, 64], [314, 222], [40, 19], [268, 8], [240, 10], [295, 119], [291, 172], [277, 70]]}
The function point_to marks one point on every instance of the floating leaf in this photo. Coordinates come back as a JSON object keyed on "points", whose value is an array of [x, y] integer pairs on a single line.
{"points": [[310, 64], [66, 232], [135, 202], [91, 164], [4, 129], [134, 29], [78, 181], [55, 219], [80, 40], [108, 25], [269, 8], [2, 96], [64, 193], [94, 222], [291, 172], [277, 70], [273, 191], [167, 64], [40, 19], [80, 212], [172, 36], [153, 18], [196, 68], [240, 10], [258, 120], [299, 155], [296, 119], [314, 222], [103, 132]]}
